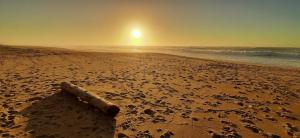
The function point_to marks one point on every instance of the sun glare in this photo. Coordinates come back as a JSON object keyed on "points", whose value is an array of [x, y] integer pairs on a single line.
{"points": [[136, 34]]}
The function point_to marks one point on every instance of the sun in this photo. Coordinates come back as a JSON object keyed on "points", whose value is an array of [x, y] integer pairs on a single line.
{"points": [[136, 33], [136, 36]]}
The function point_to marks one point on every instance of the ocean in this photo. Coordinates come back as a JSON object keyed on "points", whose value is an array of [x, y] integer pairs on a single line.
{"points": [[282, 57]]}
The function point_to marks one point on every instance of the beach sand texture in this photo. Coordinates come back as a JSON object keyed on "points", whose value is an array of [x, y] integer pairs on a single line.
{"points": [[159, 96]]}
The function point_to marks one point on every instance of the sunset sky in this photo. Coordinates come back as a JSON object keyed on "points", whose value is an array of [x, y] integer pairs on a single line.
{"points": [[150, 22]]}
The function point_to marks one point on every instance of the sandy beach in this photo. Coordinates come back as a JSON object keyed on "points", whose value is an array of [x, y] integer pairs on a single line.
{"points": [[159, 95]]}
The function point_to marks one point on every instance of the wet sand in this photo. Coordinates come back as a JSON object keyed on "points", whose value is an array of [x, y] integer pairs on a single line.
{"points": [[159, 96]]}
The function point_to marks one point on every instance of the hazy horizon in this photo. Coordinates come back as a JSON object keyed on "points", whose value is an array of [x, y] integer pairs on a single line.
{"points": [[191, 23]]}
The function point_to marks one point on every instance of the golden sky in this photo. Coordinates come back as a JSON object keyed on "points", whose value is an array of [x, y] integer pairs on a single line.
{"points": [[160, 22]]}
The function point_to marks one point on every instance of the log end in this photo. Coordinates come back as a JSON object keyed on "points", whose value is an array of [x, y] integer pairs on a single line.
{"points": [[113, 110]]}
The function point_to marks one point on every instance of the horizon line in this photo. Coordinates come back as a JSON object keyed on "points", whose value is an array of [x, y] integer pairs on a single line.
{"points": [[204, 46]]}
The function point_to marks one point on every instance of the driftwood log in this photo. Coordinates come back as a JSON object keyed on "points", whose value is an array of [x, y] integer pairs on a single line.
{"points": [[104, 105]]}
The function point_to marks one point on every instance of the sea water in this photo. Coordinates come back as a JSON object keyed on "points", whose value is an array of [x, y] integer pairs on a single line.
{"points": [[282, 57]]}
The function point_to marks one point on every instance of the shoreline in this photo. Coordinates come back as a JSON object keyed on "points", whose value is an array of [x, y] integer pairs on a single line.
{"points": [[189, 57]]}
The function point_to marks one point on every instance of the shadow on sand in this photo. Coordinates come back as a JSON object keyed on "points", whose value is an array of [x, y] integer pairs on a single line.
{"points": [[62, 115]]}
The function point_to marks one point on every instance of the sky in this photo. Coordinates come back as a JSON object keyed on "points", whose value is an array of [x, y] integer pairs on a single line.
{"points": [[160, 22]]}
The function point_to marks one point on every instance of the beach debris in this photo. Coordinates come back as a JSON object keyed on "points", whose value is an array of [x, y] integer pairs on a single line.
{"points": [[159, 130], [149, 112], [122, 135], [215, 134], [126, 125], [252, 127], [158, 119], [93, 99], [144, 134], [270, 135], [168, 134], [290, 129], [195, 119], [227, 132]]}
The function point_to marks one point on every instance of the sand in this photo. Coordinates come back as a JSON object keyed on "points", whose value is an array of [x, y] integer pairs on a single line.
{"points": [[159, 96]]}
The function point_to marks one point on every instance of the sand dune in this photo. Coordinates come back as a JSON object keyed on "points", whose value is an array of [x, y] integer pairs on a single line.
{"points": [[159, 95]]}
